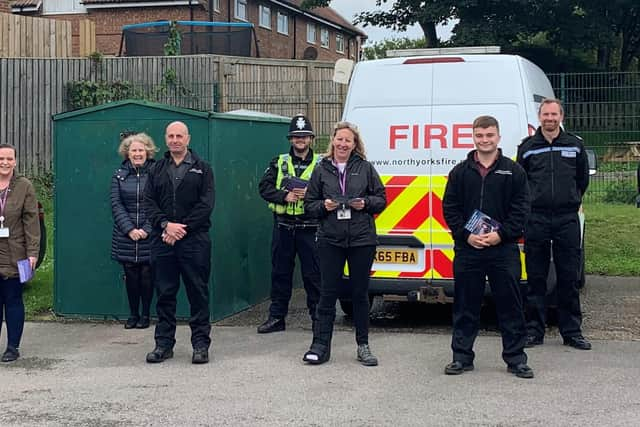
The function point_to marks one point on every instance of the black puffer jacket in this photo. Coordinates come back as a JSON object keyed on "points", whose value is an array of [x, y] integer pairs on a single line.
{"points": [[362, 181], [558, 172], [503, 195], [127, 194]]}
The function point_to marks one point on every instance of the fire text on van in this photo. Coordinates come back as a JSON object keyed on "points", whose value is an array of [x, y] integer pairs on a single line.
{"points": [[424, 136]]}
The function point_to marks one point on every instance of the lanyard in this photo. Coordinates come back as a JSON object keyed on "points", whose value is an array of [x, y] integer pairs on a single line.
{"points": [[343, 181], [3, 203]]}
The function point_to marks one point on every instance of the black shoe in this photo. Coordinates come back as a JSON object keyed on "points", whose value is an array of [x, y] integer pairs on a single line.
{"points": [[200, 355], [144, 322], [159, 354], [131, 322], [533, 341], [578, 342], [521, 370], [456, 368], [317, 354], [10, 354], [272, 324]]}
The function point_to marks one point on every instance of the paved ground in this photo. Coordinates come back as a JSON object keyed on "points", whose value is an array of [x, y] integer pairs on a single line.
{"points": [[82, 374]]}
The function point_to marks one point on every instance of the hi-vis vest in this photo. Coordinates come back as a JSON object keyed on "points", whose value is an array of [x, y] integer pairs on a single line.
{"points": [[284, 166]]}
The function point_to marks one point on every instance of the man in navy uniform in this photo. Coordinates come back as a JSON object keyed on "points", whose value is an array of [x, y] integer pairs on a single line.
{"points": [[283, 186], [558, 170]]}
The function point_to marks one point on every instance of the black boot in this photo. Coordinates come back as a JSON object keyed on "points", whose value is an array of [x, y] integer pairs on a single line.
{"points": [[320, 350]]}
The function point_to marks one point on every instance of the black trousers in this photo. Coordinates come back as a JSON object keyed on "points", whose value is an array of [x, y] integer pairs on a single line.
{"points": [[287, 242], [471, 267], [139, 284], [332, 261], [562, 233], [189, 259]]}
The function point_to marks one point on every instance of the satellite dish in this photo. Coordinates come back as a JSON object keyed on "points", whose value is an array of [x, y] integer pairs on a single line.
{"points": [[310, 53]]}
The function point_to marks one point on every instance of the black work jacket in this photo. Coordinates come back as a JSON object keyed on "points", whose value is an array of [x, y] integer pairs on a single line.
{"points": [[191, 203], [362, 181], [558, 173], [503, 195], [127, 208]]}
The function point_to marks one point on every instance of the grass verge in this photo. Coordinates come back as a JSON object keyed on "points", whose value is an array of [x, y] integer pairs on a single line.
{"points": [[612, 245]]}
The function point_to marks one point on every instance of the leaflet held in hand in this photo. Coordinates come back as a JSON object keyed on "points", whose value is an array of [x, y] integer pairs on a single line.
{"points": [[293, 182], [481, 223], [24, 270]]}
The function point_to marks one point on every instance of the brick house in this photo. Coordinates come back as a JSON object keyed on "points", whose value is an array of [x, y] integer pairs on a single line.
{"points": [[4, 6], [283, 30]]}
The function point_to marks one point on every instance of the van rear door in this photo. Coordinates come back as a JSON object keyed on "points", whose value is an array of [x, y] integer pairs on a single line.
{"points": [[389, 100], [461, 92]]}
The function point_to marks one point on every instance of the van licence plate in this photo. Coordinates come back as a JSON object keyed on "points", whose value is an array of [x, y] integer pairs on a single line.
{"points": [[396, 256]]}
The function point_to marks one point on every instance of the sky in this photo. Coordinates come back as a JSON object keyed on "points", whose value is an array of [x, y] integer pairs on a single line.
{"points": [[349, 8]]}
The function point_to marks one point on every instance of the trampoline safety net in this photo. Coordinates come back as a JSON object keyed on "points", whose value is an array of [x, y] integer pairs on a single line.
{"points": [[196, 37]]}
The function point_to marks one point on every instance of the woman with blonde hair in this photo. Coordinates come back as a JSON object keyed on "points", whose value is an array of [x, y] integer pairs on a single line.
{"points": [[129, 244], [344, 192]]}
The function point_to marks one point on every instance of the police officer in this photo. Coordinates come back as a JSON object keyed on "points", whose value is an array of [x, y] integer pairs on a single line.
{"points": [[496, 186], [558, 172], [178, 200], [283, 186]]}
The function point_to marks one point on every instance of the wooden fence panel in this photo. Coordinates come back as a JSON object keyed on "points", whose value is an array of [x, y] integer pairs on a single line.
{"points": [[28, 37], [32, 90]]}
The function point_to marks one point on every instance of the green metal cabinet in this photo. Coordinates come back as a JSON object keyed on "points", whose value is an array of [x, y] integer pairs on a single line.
{"points": [[87, 282]]}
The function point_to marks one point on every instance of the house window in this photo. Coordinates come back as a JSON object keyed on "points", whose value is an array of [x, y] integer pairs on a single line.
{"points": [[283, 23], [339, 43], [311, 33], [241, 9], [265, 17], [216, 5], [324, 38], [62, 6]]}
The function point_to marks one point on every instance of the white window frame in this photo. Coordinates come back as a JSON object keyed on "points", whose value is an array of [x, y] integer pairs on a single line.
{"points": [[240, 9], [216, 5], [58, 7], [264, 12], [311, 33], [324, 38], [283, 23], [339, 43]]}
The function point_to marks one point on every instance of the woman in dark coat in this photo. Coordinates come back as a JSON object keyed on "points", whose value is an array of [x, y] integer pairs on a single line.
{"points": [[130, 245], [344, 192]]}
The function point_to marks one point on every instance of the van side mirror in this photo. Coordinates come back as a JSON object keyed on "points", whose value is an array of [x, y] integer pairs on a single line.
{"points": [[593, 161], [342, 71]]}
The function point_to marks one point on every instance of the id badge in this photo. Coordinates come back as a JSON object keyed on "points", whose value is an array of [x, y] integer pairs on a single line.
{"points": [[344, 213], [4, 232]]}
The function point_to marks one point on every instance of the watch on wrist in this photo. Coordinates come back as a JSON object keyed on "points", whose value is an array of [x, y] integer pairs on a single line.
{"points": [[163, 224]]}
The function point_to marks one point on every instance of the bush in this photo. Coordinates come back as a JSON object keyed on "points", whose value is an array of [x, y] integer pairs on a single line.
{"points": [[622, 191]]}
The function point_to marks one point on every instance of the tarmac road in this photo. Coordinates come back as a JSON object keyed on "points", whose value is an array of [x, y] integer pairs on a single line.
{"points": [[94, 374]]}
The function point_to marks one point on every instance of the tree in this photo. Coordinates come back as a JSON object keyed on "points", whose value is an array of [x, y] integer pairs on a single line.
{"points": [[379, 49], [404, 13], [609, 31]]}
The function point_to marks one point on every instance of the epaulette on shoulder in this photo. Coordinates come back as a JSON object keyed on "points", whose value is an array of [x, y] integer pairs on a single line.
{"points": [[525, 139]]}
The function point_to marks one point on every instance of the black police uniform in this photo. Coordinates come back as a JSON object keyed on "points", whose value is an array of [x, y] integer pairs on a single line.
{"points": [[292, 234], [558, 174], [504, 196]]}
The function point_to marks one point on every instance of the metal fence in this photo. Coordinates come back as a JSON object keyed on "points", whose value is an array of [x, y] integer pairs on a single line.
{"points": [[604, 109]]}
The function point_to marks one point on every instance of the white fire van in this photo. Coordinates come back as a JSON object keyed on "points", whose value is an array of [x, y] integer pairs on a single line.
{"points": [[415, 115]]}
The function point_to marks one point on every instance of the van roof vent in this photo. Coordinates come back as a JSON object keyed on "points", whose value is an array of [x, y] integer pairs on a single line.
{"points": [[395, 53]]}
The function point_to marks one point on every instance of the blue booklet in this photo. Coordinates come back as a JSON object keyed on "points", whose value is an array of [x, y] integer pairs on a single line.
{"points": [[481, 223], [24, 270], [292, 182]]}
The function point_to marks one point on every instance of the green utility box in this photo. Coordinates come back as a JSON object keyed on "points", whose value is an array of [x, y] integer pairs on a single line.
{"points": [[87, 282]]}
